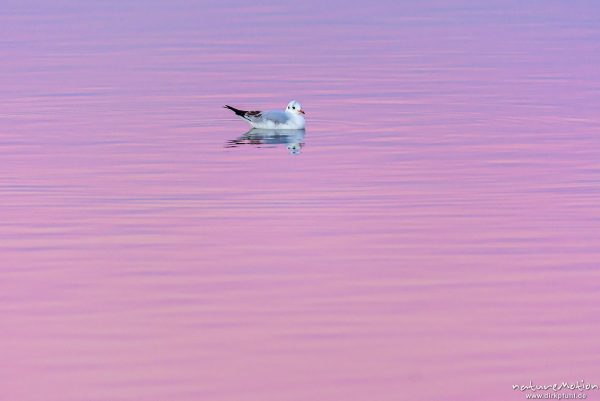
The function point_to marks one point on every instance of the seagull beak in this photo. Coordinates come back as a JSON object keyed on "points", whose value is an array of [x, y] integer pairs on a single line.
{"points": [[301, 111]]}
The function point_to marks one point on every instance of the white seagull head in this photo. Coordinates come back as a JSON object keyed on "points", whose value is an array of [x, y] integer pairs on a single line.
{"points": [[294, 107]]}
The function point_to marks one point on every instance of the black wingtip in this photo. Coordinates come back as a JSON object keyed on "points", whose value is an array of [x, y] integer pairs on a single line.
{"points": [[236, 111]]}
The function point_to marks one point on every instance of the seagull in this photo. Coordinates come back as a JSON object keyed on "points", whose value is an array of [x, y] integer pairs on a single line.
{"points": [[291, 118]]}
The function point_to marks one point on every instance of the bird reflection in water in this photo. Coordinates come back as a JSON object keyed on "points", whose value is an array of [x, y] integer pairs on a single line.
{"points": [[293, 139]]}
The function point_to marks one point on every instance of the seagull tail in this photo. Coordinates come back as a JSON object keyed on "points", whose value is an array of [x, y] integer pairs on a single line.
{"points": [[236, 111]]}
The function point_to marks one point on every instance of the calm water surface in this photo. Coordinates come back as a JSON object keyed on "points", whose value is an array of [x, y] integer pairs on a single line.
{"points": [[433, 235]]}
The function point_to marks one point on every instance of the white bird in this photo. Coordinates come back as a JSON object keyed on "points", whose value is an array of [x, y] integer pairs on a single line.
{"points": [[291, 118]]}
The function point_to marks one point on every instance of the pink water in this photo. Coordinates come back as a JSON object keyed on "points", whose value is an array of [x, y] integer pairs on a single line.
{"points": [[437, 237]]}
